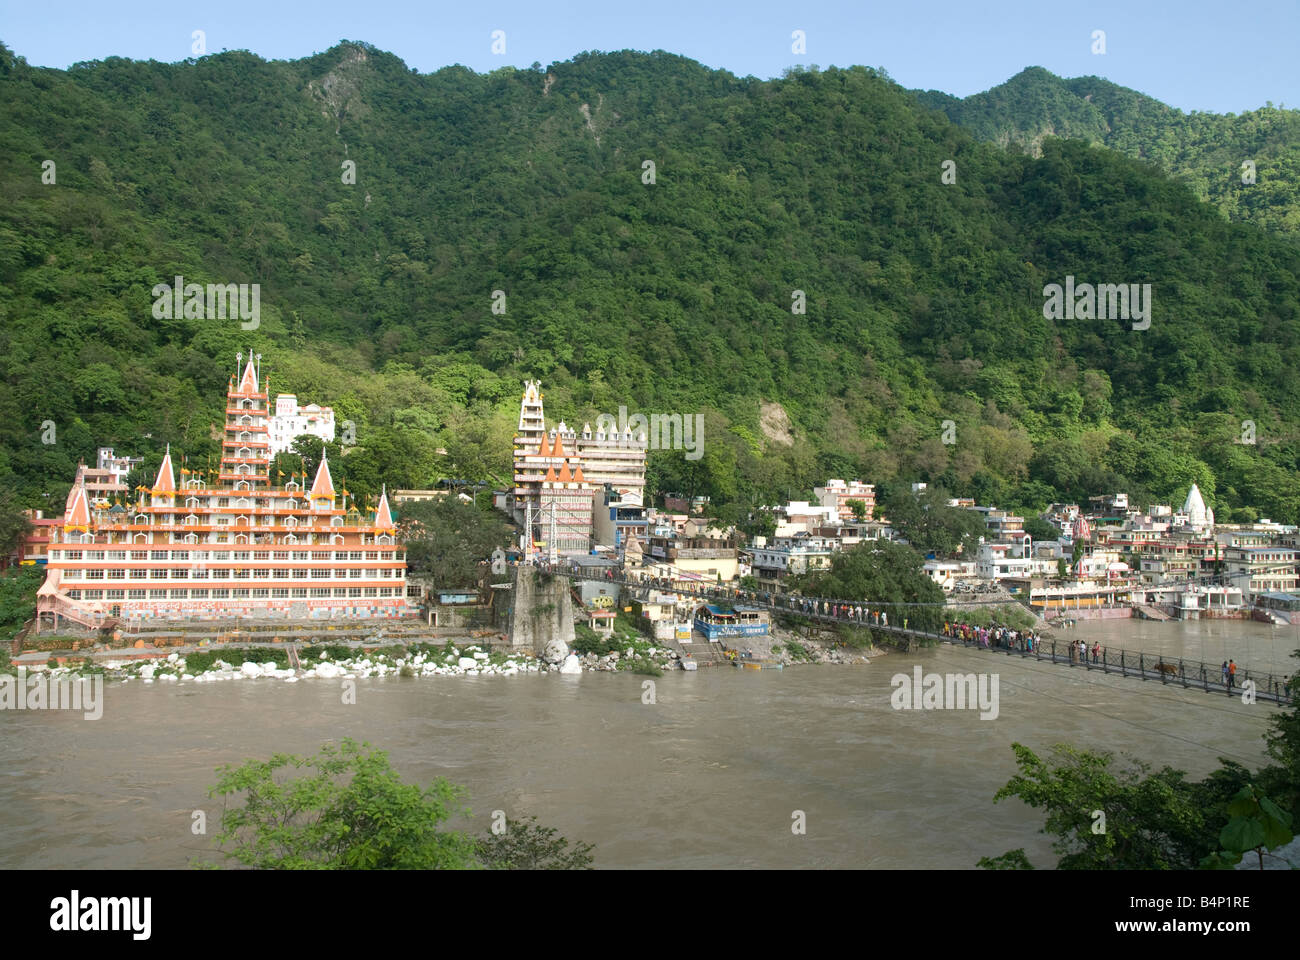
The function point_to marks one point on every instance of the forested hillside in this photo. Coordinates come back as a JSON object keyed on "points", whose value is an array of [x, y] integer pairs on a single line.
{"points": [[924, 298], [1204, 150]]}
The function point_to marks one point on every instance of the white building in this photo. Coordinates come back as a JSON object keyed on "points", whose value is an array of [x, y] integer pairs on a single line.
{"points": [[119, 467], [292, 421]]}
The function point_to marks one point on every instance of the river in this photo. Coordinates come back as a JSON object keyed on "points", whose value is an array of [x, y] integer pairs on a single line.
{"points": [[710, 775]]}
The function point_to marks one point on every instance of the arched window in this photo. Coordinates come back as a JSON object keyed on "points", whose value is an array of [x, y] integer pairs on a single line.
{"points": [[241, 484]]}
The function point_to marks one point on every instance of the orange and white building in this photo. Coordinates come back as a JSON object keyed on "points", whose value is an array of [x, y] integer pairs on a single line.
{"points": [[240, 547]]}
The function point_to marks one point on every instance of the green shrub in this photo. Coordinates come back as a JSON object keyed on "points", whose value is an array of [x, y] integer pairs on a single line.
{"points": [[797, 650], [587, 640], [647, 668]]}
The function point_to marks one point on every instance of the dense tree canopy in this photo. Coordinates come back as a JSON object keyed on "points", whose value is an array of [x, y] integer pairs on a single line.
{"points": [[922, 352]]}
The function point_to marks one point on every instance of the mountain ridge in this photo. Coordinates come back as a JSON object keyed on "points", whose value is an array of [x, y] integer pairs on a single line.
{"points": [[924, 298]]}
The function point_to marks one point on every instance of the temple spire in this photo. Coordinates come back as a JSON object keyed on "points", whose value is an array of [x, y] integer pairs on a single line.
{"points": [[77, 515], [248, 382], [166, 481], [323, 485], [383, 515]]}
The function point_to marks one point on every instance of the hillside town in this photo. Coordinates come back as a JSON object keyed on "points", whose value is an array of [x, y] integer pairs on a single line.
{"points": [[578, 500]]}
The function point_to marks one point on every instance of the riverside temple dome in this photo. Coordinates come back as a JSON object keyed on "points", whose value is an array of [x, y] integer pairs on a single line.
{"points": [[1198, 514]]}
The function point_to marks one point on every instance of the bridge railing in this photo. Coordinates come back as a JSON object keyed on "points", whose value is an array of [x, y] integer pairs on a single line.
{"points": [[1149, 666], [1198, 674]]}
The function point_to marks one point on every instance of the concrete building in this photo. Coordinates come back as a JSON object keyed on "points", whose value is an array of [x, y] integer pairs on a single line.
{"points": [[291, 421], [784, 557], [618, 516], [1260, 570], [837, 494]]}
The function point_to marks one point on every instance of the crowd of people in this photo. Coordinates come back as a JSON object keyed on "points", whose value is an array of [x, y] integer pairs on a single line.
{"points": [[1023, 640], [992, 636]]}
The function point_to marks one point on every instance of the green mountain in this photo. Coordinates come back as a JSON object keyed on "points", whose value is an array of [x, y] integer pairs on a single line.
{"points": [[1203, 150], [924, 299]]}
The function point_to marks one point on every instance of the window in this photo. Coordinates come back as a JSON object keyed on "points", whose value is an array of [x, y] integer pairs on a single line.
{"points": [[74, 594], [300, 591], [199, 594], [117, 554], [279, 593], [157, 554], [136, 594], [94, 574], [239, 592], [179, 594], [354, 591], [340, 591], [300, 574], [117, 574], [261, 592], [319, 592], [319, 574]]}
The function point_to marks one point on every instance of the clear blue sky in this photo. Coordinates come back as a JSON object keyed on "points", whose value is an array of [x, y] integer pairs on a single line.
{"points": [[1193, 54]]}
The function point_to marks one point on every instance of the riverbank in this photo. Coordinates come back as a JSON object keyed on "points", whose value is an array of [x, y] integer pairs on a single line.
{"points": [[292, 664]]}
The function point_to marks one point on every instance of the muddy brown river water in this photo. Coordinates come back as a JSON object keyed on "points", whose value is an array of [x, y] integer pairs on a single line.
{"points": [[710, 775]]}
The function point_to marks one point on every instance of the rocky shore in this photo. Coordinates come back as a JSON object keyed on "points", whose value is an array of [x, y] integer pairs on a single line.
{"points": [[217, 664]]}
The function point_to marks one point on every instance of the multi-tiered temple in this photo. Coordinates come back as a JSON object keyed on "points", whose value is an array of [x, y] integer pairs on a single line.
{"points": [[562, 476], [242, 547]]}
